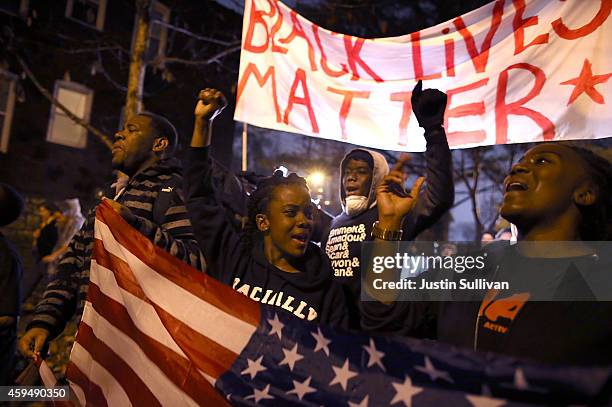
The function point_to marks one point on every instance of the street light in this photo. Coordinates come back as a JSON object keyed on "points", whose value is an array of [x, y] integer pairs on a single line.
{"points": [[316, 179]]}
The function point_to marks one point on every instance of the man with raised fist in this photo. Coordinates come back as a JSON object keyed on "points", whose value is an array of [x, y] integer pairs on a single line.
{"points": [[362, 171]]}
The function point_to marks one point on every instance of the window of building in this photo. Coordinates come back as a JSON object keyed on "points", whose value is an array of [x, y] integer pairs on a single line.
{"points": [[15, 7], [7, 103], [158, 33], [88, 12], [63, 130]]}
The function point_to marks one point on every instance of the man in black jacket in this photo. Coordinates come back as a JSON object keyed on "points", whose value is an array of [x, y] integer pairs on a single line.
{"points": [[11, 205], [150, 198], [361, 172]]}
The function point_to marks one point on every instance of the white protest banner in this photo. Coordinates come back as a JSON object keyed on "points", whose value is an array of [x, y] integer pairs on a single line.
{"points": [[515, 71]]}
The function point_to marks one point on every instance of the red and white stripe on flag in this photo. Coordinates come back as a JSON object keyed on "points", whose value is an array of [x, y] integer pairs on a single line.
{"points": [[143, 338], [50, 381]]}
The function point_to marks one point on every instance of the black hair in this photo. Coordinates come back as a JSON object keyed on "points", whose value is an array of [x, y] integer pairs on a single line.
{"points": [[51, 207], [164, 128], [258, 200], [11, 205], [596, 218], [360, 155]]}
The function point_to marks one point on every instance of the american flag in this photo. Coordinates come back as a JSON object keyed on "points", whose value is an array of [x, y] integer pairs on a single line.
{"points": [[156, 332]]}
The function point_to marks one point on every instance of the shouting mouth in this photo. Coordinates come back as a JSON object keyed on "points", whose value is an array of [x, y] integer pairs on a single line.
{"points": [[300, 238], [352, 190], [516, 186]]}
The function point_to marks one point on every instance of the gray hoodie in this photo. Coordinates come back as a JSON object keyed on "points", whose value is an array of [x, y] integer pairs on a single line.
{"points": [[381, 169]]}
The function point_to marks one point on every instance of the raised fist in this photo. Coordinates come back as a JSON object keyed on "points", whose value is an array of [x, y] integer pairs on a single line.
{"points": [[211, 103], [428, 106]]}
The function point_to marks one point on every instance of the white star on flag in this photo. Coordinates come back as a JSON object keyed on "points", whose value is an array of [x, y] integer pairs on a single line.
{"points": [[276, 327], [260, 394], [483, 401], [254, 367], [520, 381], [375, 356], [322, 341], [433, 373], [301, 389], [342, 375], [364, 402], [405, 391], [291, 357]]}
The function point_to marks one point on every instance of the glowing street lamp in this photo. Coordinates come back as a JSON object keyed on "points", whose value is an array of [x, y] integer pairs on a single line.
{"points": [[316, 179]]}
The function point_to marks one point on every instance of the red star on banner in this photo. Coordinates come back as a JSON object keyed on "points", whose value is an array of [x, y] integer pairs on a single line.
{"points": [[586, 83]]}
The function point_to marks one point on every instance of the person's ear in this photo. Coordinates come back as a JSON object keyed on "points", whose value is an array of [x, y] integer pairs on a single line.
{"points": [[262, 222], [160, 144], [586, 194]]}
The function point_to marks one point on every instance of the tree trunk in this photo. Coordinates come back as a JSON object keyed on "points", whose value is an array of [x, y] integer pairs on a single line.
{"points": [[133, 101]]}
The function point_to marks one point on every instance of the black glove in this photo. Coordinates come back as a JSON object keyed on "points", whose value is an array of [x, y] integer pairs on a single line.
{"points": [[428, 106]]}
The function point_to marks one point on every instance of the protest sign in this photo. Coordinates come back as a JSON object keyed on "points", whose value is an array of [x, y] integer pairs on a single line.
{"points": [[515, 71]]}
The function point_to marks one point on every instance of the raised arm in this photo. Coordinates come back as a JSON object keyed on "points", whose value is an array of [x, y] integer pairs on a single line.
{"points": [[211, 103], [381, 314], [438, 194], [393, 204], [213, 227]]}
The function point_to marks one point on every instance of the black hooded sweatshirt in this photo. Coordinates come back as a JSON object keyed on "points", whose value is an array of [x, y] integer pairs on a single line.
{"points": [[233, 259], [572, 328]]}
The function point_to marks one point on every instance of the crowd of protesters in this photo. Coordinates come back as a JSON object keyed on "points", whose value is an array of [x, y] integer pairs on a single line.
{"points": [[261, 241]]}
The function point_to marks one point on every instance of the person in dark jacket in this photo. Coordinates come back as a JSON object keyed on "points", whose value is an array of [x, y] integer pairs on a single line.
{"points": [[47, 234], [149, 197], [273, 261], [555, 193], [11, 269], [362, 171]]}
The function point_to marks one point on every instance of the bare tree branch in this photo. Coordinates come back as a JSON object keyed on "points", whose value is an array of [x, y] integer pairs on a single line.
{"points": [[472, 187], [108, 77], [96, 49], [173, 60], [101, 136], [192, 35]]}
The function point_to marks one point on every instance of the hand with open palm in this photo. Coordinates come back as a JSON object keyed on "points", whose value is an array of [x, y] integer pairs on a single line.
{"points": [[393, 202]]}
